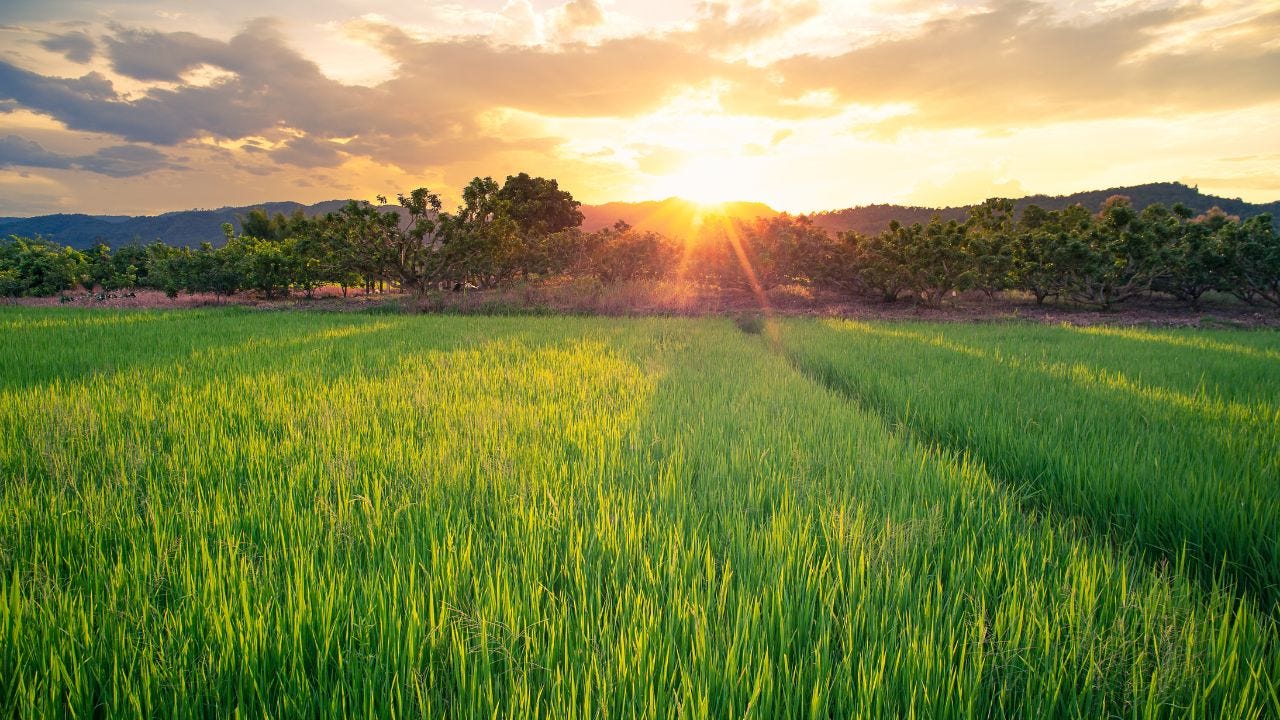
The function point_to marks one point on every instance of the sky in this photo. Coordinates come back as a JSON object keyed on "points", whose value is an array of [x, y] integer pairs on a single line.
{"points": [[136, 106]]}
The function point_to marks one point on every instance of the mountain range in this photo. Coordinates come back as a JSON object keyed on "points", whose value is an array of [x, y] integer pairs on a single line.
{"points": [[673, 217]]}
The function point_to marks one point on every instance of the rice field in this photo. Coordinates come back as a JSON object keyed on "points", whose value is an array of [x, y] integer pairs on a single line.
{"points": [[229, 512]]}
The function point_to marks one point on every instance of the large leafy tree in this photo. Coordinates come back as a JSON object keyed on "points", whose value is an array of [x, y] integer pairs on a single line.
{"points": [[538, 206], [479, 241]]}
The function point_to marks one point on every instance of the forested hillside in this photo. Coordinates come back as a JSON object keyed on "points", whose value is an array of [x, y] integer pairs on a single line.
{"points": [[673, 217], [874, 218], [186, 228]]}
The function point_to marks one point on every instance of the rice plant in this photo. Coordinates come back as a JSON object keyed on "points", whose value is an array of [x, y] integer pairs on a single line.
{"points": [[264, 514], [1165, 438]]}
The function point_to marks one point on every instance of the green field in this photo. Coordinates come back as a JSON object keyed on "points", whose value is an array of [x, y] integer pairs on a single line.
{"points": [[292, 514]]}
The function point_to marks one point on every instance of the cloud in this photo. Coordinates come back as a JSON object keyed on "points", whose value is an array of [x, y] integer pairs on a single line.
{"points": [[569, 72], [434, 104], [114, 161], [618, 77], [413, 153], [1015, 64], [517, 24], [271, 85], [1267, 181], [150, 55], [16, 151], [574, 17], [308, 152], [1019, 64], [75, 46], [123, 161], [725, 25]]}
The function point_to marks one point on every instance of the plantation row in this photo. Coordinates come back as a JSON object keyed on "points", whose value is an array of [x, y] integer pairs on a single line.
{"points": [[529, 229], [303, 515], [1165, 440]]}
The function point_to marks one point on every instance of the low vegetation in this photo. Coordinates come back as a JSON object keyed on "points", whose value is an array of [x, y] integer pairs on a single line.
{"points": [[223, 512]]}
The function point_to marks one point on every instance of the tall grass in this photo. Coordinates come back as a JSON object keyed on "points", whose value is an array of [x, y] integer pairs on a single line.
{"points": [[289, 514], [1165, 438]]}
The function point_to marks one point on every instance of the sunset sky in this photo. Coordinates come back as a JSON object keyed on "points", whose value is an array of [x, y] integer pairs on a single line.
{"points": [[135, 106]]}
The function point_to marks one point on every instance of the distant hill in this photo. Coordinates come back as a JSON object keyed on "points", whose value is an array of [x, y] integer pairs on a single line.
{"points": [[186, 227], [874, 218], [672, 217]]}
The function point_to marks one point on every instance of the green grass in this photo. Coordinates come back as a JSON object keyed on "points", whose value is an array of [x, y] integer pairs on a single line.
{"points": [[1167, 439], [278, 514]]}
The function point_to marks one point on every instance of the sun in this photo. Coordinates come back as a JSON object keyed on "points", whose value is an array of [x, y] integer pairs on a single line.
{"points": [[708, 182]]}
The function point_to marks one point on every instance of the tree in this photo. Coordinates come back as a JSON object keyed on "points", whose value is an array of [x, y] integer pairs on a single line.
{"points": [[1252, 258], [479, 241], [1115, 256], [936, 259], [39, 267], [990, 246], [167, 268], [416, 248], [1194, 262], [112, 270], [330, 248], [360, 235], [880, 261], [278, 227], [538, 205], [1039, 241], [219, 271], [763, 254], [10, 282], [620, 253]]}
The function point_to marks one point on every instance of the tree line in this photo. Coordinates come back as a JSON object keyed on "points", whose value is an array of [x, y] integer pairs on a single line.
{"points": [[529, 229]]}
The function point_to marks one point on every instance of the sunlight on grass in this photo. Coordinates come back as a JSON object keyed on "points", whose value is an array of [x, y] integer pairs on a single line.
{"points": [[1184, 338], [292, 514]]}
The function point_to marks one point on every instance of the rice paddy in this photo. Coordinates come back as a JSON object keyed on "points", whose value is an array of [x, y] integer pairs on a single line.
{"points": [[259, 514]]}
